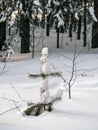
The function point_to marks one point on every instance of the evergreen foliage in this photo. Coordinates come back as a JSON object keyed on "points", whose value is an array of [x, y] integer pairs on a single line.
{"points": [[62, 15]]}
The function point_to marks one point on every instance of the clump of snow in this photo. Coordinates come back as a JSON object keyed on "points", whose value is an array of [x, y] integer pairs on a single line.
{"points": [[19, 5], [2, 16], [60, 20], [46, 68], [56, 3], [43, 89], [44, 85], [45, 51], [91, 10], [10, 51], [76, 16], [44, 98], [36, 2], [43, 59]]}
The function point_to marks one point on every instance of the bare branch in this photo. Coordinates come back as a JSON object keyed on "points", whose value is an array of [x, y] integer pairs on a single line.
{"points": [[8, 99], [3, 68], [7, 111], [17, 92], [16, 106]]}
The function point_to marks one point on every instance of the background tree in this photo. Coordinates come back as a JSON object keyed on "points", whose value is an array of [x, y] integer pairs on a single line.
{"points": [[56, 16], [61, 15], [85, 23], [2, 24], [95, 27], [24, 28]]}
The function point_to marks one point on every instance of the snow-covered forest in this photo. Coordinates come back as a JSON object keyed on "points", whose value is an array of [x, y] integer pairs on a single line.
{"points": [[30, 19], [48, 64]]}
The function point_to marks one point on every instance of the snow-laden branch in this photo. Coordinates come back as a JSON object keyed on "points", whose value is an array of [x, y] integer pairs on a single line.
{"points": [[60, 20], [91, 10]]}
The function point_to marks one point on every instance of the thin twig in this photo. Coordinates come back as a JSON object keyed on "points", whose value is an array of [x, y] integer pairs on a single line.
{"points": [[7, 111], [8, 99], [17, 92], [16, 106], [3, 68]]}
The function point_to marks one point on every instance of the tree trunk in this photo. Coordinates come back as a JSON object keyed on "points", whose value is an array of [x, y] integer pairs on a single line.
{"points": [[69, 92], [85, 24], [2, 33], [95, 27], [25, 34], [43, 15], [79, 28], [24, 31], [71, 26], [33, 41], [47, 26], [58, 33]]}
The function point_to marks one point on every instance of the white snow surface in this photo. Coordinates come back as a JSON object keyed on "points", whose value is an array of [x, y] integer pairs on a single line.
{"points": [[78, 113]]}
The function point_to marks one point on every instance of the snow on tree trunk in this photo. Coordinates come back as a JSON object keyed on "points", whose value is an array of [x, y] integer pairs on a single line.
{"points": [[45, 96], [45, 69]]}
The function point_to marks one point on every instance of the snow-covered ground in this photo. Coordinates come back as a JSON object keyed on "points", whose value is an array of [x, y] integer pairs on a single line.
{"points": [[78, 113]]}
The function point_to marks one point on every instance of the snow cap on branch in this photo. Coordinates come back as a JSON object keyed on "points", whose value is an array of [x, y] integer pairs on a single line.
{"points": [[76, 16], [56, 3], [60, 20], [91, 10], [19, 5], [2, 16], [45, 51], [59, 93], [36, 2]]}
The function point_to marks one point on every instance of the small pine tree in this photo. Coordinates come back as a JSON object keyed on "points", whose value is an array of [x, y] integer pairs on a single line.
{"points": [[46, 100]]}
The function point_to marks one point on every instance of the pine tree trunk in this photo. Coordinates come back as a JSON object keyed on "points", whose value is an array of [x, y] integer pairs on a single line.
{"points": [[43, 15], [58, 33], [95, 27], [33, 42], [85, 25], [25, 34], [24, 31], [70, 31], [2, 33], [79, 28], [71, 26], [47, 26]]}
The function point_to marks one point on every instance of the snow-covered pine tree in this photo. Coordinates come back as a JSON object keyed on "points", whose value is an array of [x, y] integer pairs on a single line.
{"points": [[20, 14], [56, 14], [63, 15], [46, 99]]}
